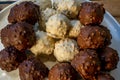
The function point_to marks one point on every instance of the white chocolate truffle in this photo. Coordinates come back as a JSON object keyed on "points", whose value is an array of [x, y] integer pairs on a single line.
{"points": [[48, 12], [65, 49], [44, 4], [75, 30], [55, 3], [57, 26], [45, 16], [44, 44], [68, 7]]}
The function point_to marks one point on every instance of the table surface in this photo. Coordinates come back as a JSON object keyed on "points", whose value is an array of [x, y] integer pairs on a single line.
{"points": [[112, 6]]}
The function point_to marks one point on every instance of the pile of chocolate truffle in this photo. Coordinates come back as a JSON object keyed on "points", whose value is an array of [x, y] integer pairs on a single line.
{"points": [[79, 44], [19, 36], [95, 58]]}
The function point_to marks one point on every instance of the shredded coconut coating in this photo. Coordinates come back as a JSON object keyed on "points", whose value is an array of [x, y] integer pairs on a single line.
{"points": [[44, 45], [75, 30], [48, 12], [68, 7], [65, 49], [44, 4], [57, 26]]}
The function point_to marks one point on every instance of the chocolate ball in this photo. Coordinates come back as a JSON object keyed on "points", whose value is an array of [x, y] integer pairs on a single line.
{"points": [[26, 11], [104, 76], [20, 35], [109, 58], [94, 37], [86, 63], [91, 13], [33, 69], [62, 71], [10, 58]]}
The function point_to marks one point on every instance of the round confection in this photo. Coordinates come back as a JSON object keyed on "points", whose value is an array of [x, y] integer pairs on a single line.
{"points": [[94, 37], [5, 34], [25, 11], [65, 49], [68, 7], [104, 76], [48, 12], [109, 36], [91, 13], [20, 35], [86, 63], [75, 30], [109, 58], [62, 71], [33, 69], [10, 58], [57, 26], [44, 45], [44, 4]]}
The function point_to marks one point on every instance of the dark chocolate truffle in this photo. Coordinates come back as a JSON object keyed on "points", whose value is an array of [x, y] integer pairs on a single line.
{"points": [[10, 58], [33, 69], [26, 11], [20, 35], [94, 37], [62, 71], [108, 35], [91, 13], [104, 76], [109, 58], [86, 63]]}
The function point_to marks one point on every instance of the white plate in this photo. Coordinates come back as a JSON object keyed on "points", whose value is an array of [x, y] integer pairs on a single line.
{"points": [[108, 21]]}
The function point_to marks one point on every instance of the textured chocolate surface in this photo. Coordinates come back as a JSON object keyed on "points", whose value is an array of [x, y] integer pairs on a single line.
{"points": [[94, 37], [26, 11], [104, 76], [109, 58], [91, 13], [33, 69], [62, 71], [10, 58], [20, 35], [86, 64]]}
